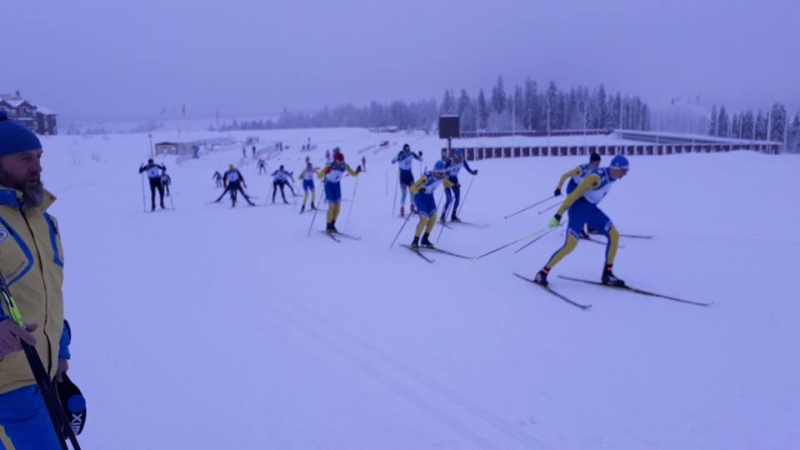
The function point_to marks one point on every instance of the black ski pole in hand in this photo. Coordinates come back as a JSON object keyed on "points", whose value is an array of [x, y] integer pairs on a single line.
{"points": [[45, 385], [529, 207]]}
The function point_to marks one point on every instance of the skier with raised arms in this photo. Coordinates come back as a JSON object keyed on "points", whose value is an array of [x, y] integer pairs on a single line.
{"points": [[333, 174], [404, 160], [454, 166]]}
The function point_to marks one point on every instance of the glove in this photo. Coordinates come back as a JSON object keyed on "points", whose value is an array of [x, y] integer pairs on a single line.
{"points": [[358, 170], [557, 192], [555, 221], [476, 172], [420, 153]]}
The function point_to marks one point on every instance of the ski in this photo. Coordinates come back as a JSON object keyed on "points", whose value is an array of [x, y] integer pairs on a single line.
{"points": [[419, 253], [347, 236], [470, 224], [330, 235], [637, 291], [446, 252], [550, 290], [637, 236]]}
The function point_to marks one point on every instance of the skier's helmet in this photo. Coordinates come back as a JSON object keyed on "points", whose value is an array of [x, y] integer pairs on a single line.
{"points": [[620, 162], [439, 166], [406, 148], [338, 156]]}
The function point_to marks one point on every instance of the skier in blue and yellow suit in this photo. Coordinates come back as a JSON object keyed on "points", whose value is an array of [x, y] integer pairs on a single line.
{"points": [[426, 204], [32, 264], [583, 210], [333, 174]]}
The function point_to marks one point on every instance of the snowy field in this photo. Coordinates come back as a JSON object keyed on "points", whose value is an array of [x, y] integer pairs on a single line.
{"points": [[212, 328]]}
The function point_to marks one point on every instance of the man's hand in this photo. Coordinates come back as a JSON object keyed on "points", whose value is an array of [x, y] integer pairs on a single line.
{"points": [[557, 192], [555, 221], [11, 334], [63, 367]]}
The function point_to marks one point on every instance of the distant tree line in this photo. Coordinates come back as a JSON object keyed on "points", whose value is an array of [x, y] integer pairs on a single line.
{"points": [[526, 108], [771, 125], [551, 109]]}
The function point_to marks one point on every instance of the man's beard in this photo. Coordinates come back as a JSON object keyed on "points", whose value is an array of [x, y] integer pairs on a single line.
{"points": [[31, 187]]}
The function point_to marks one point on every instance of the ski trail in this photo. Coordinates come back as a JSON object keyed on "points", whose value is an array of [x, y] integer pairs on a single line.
{"points": [[366, 357]]}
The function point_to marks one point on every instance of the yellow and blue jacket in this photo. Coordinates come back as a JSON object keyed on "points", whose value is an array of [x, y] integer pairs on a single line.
{"points": [[592, 189], [427, 183], [32, 263]]}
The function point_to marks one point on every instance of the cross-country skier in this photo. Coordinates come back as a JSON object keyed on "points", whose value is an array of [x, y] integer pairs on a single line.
{"points": [[333, 174], [280, 178], [307, 175], [454, 166], [426, 204], [32, 264], [582, 206], [233, 181], [166, 181], [262, 166], [575, 177], [405, 159], [153, 171], [218, 179]]}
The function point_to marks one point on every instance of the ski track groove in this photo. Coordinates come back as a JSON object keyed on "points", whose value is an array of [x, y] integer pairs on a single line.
{"points": [[475, 410]]}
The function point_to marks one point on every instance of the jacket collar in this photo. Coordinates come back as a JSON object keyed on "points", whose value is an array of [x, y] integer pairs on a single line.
{"points": [[13, 198]]}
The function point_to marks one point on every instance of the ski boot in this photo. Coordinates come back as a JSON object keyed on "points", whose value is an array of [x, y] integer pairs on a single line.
{"points": [[609, 279], [333, 227], [313, 207], [425, 242], [329, 228], [415, 243], [153, 208], [443, 219], [302, 208], [402, 211], [414, 209], [455, 219], [541, 277]]}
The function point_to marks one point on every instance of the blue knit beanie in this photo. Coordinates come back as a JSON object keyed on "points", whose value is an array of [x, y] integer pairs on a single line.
{"points": [[15, 138]]}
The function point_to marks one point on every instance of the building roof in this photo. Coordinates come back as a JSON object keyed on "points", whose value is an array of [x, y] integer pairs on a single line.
{"points": [[16, 101]]}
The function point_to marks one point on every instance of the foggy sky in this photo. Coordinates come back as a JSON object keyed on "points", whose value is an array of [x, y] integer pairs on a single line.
{"points": [[134, 57]]}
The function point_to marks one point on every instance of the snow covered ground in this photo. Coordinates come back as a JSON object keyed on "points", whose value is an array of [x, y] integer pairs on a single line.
{"points": [[209, 328]]}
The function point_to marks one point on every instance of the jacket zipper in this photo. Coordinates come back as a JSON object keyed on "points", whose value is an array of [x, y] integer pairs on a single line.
{"points": [[44, 288]]}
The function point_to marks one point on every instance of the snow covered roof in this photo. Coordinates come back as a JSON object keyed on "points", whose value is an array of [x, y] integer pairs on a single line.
{"points": [[45, 111]]}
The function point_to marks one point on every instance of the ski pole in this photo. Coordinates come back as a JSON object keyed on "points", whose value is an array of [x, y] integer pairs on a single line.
{"points": [[352, 204], [527, 236], [529, 207], [408, 217], [533, 241], [394, 203], [549, 208], [461, 207], [144, 201], [316, 210], [441, 225], [57, 415]]}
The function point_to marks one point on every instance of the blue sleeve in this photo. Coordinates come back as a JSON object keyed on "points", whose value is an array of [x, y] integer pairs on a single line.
{"points": [[469, 169], [394, 160], [418, 158], [63, 345]]}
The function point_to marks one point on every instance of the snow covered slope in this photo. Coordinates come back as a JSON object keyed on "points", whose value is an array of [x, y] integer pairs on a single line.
{"points": [[209, 327]]}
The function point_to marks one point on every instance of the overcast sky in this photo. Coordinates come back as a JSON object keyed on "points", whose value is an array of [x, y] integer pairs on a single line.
{"points": [[134, 57]]}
